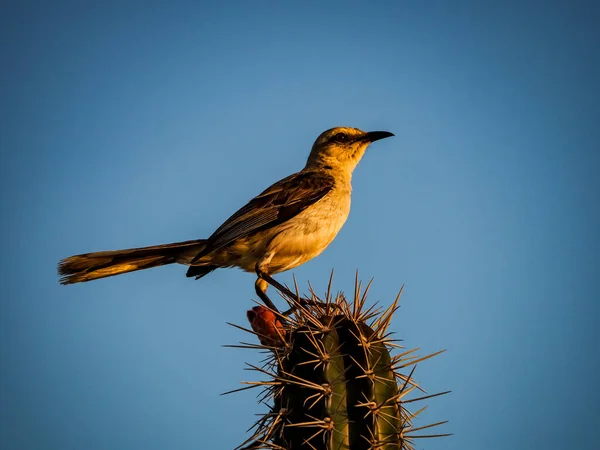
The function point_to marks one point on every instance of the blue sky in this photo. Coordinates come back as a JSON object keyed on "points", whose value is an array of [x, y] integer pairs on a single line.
{"points": [[136, 123]]}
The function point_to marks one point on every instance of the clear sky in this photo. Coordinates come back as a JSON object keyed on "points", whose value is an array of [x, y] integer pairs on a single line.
{"points": [[136, 123]]}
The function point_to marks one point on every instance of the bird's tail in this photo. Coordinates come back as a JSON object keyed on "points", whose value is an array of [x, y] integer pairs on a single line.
{"points": [[91, 266]]}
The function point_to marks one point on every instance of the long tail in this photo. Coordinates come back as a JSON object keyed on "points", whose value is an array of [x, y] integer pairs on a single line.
{"points": [[91, 266]]}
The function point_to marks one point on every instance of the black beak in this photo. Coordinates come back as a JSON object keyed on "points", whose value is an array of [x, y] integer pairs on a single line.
{"points": [[373, 136]]}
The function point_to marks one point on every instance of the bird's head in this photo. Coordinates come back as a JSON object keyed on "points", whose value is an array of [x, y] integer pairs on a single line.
{"points": [[341, 148]]}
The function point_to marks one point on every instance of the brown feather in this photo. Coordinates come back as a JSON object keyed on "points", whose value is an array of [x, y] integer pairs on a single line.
{"points": [[91, 266]]}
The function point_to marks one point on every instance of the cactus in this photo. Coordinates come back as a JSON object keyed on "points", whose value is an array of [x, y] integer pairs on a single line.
{"points": [[332, 381]]}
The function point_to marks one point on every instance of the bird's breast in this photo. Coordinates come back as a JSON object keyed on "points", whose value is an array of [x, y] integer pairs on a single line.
{"points": [[306, 235], [293, 242]]}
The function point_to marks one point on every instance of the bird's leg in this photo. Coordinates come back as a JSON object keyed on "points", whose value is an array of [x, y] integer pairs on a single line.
{"points": [[264, 279], [261, 290]]}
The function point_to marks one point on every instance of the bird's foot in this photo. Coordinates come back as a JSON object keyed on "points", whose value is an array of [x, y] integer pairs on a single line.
{"points": [[280, 287], [265, 298], [284, 290]]}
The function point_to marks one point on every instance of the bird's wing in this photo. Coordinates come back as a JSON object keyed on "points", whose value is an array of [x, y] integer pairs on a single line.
{"points": [[278, 203]]}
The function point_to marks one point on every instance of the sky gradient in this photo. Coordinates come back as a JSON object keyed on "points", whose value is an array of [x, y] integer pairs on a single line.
{"points": [[136, 123]]}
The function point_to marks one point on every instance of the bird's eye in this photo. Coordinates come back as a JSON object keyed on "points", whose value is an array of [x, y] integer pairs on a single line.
{"points": [[340, 137]]}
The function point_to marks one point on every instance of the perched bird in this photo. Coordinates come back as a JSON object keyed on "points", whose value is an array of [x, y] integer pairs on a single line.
{"points": [[286, 225]]}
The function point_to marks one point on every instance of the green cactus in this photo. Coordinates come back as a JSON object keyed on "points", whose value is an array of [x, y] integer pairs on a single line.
{"points": [[333, 383]]}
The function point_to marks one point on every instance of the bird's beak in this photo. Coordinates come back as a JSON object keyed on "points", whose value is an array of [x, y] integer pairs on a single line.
{"points": [[373, 136]]}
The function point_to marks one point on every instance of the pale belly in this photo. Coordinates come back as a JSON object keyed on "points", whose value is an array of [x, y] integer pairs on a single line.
{"points": [[295, 242]]}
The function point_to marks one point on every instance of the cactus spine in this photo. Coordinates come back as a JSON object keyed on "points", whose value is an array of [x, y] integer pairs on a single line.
{"points": [[333, 382]]}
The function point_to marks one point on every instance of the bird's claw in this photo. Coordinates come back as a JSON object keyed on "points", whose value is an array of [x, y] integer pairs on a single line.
{"points": [[284, 290]]}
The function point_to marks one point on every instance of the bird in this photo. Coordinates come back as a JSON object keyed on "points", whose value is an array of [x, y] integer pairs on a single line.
{"points": [[286, 225]]}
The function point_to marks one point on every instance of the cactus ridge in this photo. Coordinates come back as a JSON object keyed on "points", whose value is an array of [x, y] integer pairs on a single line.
{"points": [[331, 382]]}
